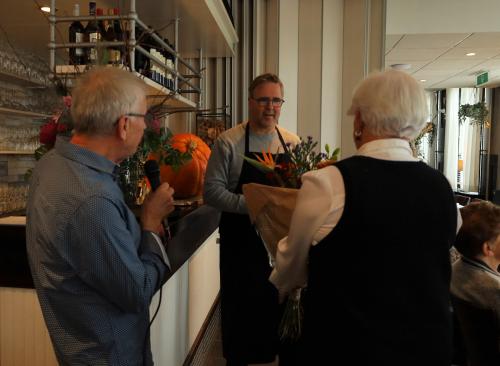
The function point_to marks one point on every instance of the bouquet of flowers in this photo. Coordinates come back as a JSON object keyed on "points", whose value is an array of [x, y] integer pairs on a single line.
{"points": [[271, 208]]}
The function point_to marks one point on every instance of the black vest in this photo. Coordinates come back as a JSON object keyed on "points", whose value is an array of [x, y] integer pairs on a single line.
{"points": [[386, 267]]}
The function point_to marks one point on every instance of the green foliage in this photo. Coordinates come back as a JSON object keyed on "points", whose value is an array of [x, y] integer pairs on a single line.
{"points": [[334, 155], [476, 112], [159, 141], [304, 157], [299, 160]]}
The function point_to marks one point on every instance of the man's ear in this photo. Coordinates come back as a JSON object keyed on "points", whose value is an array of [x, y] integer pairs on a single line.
{"points": [[122, 126], [487, 249]]}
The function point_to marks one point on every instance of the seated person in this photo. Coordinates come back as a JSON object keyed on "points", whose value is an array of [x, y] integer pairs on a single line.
{"points": [[475, 278]]}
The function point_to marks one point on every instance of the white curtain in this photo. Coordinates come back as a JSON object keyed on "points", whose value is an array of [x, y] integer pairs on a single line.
{"points": [[469, 145], [451, 137]]}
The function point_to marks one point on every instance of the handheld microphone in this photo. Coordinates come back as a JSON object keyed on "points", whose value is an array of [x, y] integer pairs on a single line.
{"points": [[152, 170]]}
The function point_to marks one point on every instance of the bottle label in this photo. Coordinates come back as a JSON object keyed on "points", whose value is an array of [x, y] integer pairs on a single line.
{"points": [[79, 39], [94, 37]]}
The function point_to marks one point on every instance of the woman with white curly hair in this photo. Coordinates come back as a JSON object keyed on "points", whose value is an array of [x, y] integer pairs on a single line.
{"points": [[370, 238]]}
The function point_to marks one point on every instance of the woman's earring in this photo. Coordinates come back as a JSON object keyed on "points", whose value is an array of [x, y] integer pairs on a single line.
{"points": [[358, 133]]}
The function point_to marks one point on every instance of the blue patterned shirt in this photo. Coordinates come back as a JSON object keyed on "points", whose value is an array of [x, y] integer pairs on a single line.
{"points": [[94, 271]]}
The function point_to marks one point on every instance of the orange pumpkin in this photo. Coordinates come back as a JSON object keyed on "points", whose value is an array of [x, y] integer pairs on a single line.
{"points": [[188, 180]]}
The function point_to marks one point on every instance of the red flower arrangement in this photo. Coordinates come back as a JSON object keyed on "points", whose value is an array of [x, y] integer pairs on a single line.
{"points": [[59, 124]]}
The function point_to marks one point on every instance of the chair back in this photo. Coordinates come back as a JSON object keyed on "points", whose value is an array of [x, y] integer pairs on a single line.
{"points": [[480, 332], [462, 200]]}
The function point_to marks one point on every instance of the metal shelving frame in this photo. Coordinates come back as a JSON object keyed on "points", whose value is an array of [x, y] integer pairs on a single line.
{"points": [[132, 47]]}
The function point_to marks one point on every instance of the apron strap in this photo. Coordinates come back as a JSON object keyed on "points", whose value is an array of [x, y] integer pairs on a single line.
{"points": [[285, 148]]}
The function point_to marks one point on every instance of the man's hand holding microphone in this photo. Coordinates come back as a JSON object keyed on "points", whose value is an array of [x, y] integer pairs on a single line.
{"points": [[158, 204]]}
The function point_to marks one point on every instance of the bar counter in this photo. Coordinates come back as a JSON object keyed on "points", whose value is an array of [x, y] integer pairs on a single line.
{"points": [[188, 296], [190, 227]]}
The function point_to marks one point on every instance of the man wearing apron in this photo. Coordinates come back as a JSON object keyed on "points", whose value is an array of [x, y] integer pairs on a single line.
{"points": [[249, 302]]}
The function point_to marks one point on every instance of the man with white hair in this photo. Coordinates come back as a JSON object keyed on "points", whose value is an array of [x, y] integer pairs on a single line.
{"points": [[94, 267]]}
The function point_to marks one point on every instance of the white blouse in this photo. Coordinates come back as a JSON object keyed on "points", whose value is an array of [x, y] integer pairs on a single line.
{"points": [[319, 206]]}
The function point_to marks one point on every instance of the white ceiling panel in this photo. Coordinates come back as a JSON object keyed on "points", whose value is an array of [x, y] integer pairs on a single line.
{"points": [[482, 40], [391, 40], [460, 53], [449, 67], [416, 54], [427, 74], [420, 41], [492, 64]]}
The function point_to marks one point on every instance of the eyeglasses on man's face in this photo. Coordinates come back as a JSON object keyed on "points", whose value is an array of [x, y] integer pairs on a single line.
{"points": [[148, 117], [264, 101]]}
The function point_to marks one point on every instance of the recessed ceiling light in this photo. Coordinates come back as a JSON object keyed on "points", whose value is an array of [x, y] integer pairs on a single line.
{"points": [[470, 54], [45, 9], [401, 66], [423, 80]]}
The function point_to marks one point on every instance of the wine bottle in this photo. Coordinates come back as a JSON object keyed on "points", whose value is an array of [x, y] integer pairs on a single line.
{"points": [[151, 69], [170, 63], [92, 34], [101, 24], [109, 36], [141, 61], [119, 35], [76, 35]]}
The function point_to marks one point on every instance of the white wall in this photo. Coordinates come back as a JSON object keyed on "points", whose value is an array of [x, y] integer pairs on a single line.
{"points": [[169, 331], [288, 61], [331, 69], [204, 285], [322, 58], [363, 42]]}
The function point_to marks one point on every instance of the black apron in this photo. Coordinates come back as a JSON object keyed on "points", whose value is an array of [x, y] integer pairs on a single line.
{"points": [[250, 312]]}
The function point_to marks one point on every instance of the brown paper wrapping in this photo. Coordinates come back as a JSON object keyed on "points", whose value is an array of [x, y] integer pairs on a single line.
{"points": [[270, 209]]}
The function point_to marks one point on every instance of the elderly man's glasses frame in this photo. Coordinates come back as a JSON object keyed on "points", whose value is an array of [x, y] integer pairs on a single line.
{"points": [[148, 117], [264, 101]]}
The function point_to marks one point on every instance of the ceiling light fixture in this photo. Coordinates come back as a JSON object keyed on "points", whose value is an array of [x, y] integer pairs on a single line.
{"points": [[401, 66], [470, 54], [423, 80], [45, 9]]}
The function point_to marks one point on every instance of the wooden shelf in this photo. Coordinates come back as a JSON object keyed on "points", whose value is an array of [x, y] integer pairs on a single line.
{"points": [[23, 113], [22, 81], [13, 152], [203, 24], [155, 91], [13, 218]]}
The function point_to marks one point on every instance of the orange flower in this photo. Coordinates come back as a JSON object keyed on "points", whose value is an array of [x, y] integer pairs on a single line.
{"points": [[267, 159]]}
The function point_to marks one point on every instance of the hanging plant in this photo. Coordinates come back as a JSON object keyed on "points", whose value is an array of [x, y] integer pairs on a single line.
{"points": [[477, 113], [428, 131]]}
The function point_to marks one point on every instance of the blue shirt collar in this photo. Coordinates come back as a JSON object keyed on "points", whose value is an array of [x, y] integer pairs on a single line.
{"points": [[84, 156]]}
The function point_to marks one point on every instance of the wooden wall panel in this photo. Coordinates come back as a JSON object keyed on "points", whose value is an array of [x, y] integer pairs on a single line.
{"points": [[24, 339]]}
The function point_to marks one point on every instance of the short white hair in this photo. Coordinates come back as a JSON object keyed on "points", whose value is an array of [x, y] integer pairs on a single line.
{"points": [[391, 104], [101, 96]]}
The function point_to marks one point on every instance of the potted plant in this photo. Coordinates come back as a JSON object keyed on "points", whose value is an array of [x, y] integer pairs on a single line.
{"points": [[477, 113]]}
